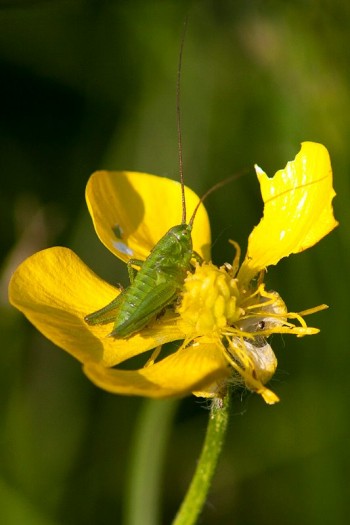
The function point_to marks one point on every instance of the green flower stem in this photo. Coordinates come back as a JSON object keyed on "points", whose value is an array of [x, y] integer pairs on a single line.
{"points": [[146, 462], [201, 481]]}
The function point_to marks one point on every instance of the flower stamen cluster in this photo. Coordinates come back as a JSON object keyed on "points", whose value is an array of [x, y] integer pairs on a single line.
{"points": [[209, 301]]}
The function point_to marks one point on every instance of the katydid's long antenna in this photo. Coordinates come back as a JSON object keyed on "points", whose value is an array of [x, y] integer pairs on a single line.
{"points": [[214, 188], [178, 123]]}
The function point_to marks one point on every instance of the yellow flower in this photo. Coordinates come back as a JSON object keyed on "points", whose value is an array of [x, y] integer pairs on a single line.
{"points": [[223, 316]]}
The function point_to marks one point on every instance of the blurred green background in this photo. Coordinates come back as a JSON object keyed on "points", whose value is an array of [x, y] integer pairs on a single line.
{"points": [[90, 84]]}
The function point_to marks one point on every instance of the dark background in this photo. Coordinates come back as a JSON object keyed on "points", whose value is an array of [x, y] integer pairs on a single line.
{"points": [[86, 85]]}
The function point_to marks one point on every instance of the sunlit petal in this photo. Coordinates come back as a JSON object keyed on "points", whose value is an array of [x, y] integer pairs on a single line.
{"points": [[56, 290], [188, 369], [298, 209]]}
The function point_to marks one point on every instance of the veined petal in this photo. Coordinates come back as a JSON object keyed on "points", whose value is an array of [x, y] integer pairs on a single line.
{"points": [[55, 290], [191, 368], [131, 211], [298, 209]]}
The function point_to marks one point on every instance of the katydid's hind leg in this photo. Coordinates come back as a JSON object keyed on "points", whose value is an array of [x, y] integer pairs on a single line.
{"points": [[105, 315], [131, 270]]}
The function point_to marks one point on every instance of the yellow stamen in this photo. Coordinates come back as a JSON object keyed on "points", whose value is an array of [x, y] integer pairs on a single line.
{"points": [[154, 356]]}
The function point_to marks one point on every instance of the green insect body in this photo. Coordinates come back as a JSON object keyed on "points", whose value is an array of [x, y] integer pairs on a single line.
{"points": [[156, 285]]}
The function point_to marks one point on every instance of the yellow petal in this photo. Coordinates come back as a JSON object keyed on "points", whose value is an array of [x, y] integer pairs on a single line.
{"points": [[188, 369], [298, 209], [55, 290], [131, 211]]}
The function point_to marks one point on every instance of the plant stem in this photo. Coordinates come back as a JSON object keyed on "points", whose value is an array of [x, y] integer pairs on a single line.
{"points": [[201, 481], [146, 462]]}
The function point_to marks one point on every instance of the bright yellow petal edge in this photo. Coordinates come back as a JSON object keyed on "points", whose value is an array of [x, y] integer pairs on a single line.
{"points": [[297, 209]]}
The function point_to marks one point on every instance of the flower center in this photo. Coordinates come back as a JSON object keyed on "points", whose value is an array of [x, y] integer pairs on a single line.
{"points": [[209, 301]]}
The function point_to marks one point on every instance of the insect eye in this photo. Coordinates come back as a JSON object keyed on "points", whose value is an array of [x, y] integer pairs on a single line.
{"points": [[261, 325]]}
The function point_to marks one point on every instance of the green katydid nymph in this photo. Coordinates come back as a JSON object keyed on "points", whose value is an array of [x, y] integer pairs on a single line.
{"points": [[161, 276]]}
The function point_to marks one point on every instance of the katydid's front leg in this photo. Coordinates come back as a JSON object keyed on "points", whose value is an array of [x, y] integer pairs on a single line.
{"points": [[197, 257]]}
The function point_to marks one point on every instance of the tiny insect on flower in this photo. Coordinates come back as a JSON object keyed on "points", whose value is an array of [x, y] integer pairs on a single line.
{"points": [[220, 318]]}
